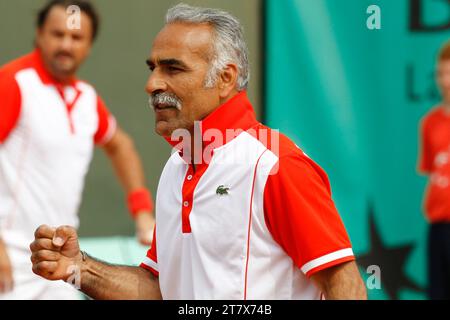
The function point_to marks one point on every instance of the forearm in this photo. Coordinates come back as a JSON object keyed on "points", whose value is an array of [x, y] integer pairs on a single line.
{"points": [[125, 161], [110, 282], [352, 289], [342, 282]]}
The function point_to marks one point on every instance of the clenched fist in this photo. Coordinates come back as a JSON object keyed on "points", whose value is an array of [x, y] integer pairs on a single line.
{"points": [[55, 252]]}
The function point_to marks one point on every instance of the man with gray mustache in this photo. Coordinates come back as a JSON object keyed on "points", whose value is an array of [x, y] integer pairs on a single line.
{"points": [[264, 228]]}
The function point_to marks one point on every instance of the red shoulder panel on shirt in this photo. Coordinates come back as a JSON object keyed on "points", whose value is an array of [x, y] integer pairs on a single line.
{"points": [[106, 123], [10, 102], [300, 213]]}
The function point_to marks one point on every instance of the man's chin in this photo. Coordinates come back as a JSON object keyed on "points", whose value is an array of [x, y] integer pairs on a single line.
{"points": [[65, 70], [163, 129]]}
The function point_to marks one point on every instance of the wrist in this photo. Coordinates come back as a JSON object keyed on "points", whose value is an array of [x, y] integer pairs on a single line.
{"points": [[82, 261], [139, 201], [143, 215], [75, 270], [80, 270]]}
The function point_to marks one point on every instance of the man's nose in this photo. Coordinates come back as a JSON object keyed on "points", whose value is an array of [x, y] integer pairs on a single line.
{"points": [[155, 83], [67, 43]]}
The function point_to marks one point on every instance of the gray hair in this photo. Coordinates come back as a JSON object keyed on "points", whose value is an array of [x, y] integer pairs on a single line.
{"points": [[229, 44]]}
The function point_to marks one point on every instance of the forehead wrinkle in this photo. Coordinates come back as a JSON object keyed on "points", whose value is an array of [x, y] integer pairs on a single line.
{"points": [[186, 39]]}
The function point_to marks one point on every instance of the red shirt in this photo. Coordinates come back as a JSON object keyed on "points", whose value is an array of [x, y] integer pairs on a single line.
{"points": [[434, 160]]}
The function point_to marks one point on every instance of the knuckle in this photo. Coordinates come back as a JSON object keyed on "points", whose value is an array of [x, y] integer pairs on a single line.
{"points": [[44, 244], [41, 244], [39, 231], [38, 267], [38, 255], [42, 266], [34, 258]]}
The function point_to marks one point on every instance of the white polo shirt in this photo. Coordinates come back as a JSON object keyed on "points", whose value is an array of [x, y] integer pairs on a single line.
{"points": [[47, 134], [254, 222]]}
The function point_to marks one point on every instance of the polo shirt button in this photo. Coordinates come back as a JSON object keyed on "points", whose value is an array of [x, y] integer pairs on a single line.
{"points": [[186, 204], [189, 177]]}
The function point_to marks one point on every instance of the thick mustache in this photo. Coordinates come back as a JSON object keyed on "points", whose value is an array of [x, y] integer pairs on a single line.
{"points": [[165, 98]]}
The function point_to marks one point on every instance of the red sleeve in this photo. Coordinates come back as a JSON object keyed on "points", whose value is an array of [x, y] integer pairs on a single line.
{"points": [[425, 155], [106, 124], [10, 105], [302, 217], [151, 261]]}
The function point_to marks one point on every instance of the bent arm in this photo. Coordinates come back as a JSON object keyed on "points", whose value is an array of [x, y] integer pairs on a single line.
{"points": [[125, 160], [128, 168], [342, 282], [103, 281]]}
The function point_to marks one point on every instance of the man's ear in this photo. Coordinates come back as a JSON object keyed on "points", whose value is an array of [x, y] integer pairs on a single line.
{"points": [[227, 80], [37, 36]]}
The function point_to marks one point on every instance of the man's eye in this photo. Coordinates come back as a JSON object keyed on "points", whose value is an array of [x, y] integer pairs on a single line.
{"points": [[173, 69], [58, 34]]}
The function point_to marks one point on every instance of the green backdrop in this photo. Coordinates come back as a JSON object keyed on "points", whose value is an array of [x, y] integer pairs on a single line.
{"points": [[352, 99]]}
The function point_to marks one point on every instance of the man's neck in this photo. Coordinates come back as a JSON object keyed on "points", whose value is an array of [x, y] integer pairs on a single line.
{"points": [[66, 81], [224, 100], [63, 79]]}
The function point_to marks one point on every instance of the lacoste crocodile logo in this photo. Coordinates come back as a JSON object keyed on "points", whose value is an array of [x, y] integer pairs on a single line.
{"points": [[222, 190]]}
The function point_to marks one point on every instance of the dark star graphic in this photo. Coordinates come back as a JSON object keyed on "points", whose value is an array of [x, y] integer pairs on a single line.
{"points": [[391, 261]]}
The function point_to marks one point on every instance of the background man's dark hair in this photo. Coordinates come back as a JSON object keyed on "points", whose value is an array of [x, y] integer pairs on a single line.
{"points": [[85, 6]]}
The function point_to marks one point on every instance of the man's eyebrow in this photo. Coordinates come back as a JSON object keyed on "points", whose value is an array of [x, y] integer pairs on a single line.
{"points": [[167, 62], [172, 62]]}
